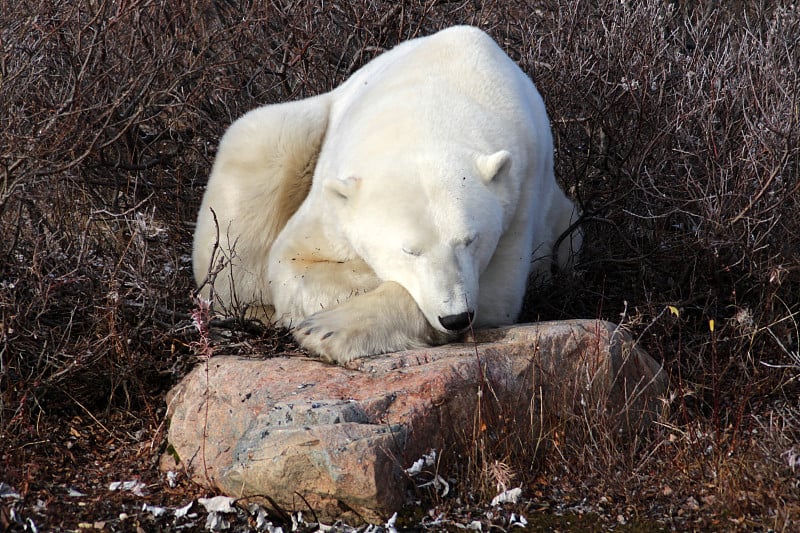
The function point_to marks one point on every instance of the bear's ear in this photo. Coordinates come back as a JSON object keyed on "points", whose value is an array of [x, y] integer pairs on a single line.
{"points": [[492, 165], [343, 187]]}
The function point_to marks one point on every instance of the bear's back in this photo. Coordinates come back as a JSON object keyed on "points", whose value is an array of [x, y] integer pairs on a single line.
{"points": [[464, 55]]}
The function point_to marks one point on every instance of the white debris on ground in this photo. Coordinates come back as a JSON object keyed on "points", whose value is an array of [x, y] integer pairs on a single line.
{"points": [[154, 510], [9, 496], [421, 468], [230, 515], [390, 524], [7, 492], [507, 496], [218, 504], [135, 486], [427, 460], [439, 484], [517, 521]]}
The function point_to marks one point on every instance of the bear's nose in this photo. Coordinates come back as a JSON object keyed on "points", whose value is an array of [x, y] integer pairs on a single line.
{"points": [[457, 322]]}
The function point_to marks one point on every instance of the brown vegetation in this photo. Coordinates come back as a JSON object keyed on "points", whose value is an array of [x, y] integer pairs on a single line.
{"points": [[678, 131]]}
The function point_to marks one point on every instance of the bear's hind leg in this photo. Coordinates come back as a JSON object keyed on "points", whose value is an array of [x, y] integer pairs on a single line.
{"points": [[386, 319]]}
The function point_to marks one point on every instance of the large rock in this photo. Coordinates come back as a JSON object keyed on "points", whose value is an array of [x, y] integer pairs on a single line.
{"points": [[341, 438]]}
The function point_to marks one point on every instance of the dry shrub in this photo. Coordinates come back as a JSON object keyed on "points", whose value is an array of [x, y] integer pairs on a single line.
{"points": [[680, 133], [677, 128], [109, 112], [676, 125], [112, 112]]}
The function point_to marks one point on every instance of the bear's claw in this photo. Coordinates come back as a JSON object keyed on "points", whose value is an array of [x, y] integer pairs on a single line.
{"points": [[319, 334]]}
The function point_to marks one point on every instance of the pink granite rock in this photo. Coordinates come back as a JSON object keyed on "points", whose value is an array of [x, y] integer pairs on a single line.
{"points": [[342, 438]]}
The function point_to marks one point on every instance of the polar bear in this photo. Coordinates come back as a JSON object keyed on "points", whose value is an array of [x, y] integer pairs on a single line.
{"points": [[396, 211]]}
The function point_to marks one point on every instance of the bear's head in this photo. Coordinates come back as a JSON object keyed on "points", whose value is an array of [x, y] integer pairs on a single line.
{"points": [[432, 227]]}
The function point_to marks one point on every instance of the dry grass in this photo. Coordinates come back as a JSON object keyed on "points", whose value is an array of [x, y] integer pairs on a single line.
{"points": [[677, 129]]}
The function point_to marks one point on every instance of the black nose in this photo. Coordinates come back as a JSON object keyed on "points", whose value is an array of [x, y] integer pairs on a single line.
{"points": [[457, 322]]}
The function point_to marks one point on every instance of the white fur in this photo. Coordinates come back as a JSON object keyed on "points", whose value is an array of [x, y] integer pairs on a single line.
{"points": [[431, 195]]}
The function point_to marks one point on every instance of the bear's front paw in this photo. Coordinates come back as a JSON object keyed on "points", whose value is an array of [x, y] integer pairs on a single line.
{"points": [[381, 321], [333, 336]]}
